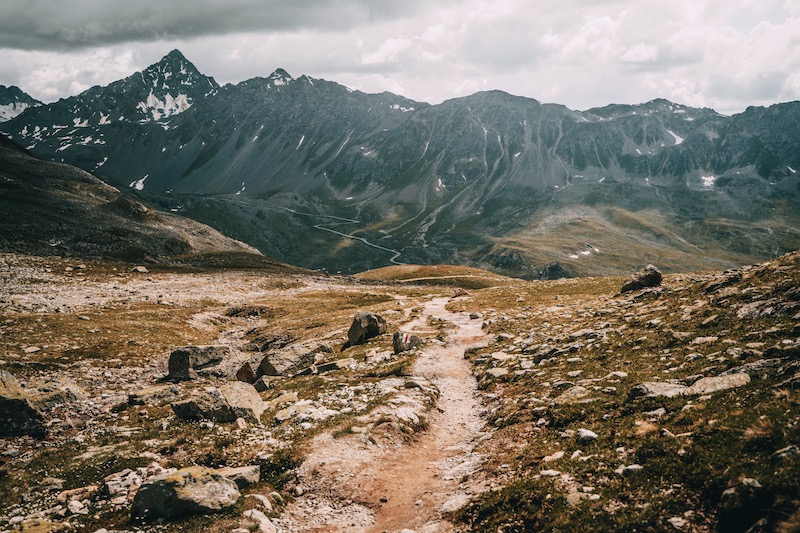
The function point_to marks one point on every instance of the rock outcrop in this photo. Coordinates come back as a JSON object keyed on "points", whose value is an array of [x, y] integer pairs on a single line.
{"points": [[18, 416]]}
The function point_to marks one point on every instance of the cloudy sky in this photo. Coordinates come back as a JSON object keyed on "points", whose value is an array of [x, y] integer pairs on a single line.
{"points": [[724, 54]]}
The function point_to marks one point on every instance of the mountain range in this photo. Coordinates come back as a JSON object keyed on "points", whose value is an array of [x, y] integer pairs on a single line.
{"points": [[318, 175]]}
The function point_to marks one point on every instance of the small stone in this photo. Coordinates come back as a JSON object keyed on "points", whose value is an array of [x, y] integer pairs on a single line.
{"points": [[262, 501], [575, 394], [140, 269], [677, 522], [76, 507], [553, 457], [585, 435], [629, 470], [265, 525], [497, 372], [550, 473]]}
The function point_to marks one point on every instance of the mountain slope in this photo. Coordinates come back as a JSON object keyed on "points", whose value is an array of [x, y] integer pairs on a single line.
{"points": [[55, 209], [319, 175]]}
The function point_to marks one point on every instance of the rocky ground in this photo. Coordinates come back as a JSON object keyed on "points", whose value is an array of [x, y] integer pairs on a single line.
{"points": [[513, 406]]}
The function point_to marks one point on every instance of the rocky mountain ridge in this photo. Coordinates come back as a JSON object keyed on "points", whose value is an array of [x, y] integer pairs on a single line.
{"points": [[490, 179], [13, 101]]}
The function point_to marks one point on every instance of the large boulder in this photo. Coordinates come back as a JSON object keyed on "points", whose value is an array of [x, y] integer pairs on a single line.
{"points": [[649, 276], [185, 361], [18, 416], [365, 326], [403, 342], [189, 491], [55, 391], [286, 361], [224, 404]]}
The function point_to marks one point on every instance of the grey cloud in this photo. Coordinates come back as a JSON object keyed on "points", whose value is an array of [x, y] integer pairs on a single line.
{"points": [[76, 24]]}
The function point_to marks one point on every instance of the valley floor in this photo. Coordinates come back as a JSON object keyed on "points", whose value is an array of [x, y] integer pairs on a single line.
{"points": [[529, 405]]}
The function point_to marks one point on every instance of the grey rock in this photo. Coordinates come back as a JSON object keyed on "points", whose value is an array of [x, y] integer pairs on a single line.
{"points": [[185, 361], [264, 383], [154, 395], [243, 476], [649, 276], [497, 372], [656, 389], [189, 491], [18, 415], [718, 383], [576, 394], [365, 326], [224, 404], [404, 342], [339, 364], [585, 436], [756, 368], [55, 391], [286, 361], [246, 374], [630, 469], [265, 525]]}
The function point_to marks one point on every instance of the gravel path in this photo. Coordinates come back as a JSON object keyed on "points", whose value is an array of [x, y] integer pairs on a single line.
{"points": [[352, 485]]}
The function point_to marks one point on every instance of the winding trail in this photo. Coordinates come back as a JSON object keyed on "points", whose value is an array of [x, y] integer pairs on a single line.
{"points": [[356, 487]]}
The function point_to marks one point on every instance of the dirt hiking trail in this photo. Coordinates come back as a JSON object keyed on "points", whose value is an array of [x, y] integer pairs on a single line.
{"points": [[353, 485]]}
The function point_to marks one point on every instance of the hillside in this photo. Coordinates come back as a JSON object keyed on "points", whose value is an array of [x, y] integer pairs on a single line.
{"points": [[56, 209], [521, 406], [490, 180]]}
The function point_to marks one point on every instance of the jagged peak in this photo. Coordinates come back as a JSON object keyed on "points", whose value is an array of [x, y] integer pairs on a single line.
{"points": [[281, 74]]}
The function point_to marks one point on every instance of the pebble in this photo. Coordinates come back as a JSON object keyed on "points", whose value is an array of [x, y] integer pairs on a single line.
{"points": [[585, 435]]}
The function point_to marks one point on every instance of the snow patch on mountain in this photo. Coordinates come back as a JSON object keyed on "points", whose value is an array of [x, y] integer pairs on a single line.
{"points": [[678, 138], [9, 111], [171, 105], [398, 107], [708, 181], [139, 184]]}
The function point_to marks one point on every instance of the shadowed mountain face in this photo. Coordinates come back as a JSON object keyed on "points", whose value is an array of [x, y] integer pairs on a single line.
{"points": [[56, 209], [315, 174]]}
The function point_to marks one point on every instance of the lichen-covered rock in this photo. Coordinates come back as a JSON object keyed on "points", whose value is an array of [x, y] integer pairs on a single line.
{"points": [[365, 326], [189, 491], [18, 416]]}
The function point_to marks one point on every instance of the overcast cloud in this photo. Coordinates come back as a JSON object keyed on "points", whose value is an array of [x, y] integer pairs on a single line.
{"points": [[724, 54]]}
